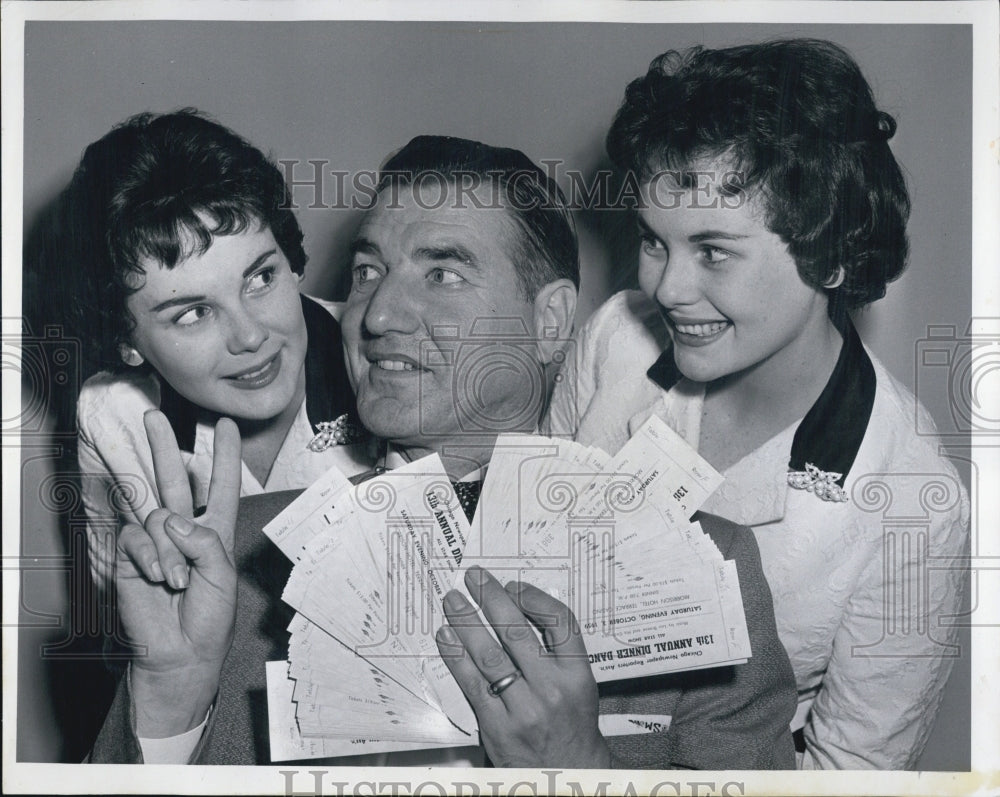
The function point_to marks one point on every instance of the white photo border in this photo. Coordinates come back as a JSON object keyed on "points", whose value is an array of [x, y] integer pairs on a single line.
{"points": [[985, 752]]}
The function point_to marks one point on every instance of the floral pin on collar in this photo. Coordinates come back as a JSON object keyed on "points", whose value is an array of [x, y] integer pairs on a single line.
{"points": [[823, 484], [340, 432]]}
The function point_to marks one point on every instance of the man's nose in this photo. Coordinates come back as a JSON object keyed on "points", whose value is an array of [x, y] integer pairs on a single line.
{"points": [[394, 306], [247, 332]]}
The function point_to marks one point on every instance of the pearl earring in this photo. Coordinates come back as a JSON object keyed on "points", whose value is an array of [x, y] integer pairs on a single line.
{"points": [[130, 356]]}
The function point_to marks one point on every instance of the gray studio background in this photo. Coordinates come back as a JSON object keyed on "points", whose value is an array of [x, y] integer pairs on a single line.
{"points": [[350, 93]]}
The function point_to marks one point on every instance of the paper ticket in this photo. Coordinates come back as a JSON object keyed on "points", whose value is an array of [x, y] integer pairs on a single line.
{"points": [[288, 744], [610, 536]]}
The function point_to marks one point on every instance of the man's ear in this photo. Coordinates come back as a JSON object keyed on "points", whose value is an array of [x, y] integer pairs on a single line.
{"points": [[554, 311]]}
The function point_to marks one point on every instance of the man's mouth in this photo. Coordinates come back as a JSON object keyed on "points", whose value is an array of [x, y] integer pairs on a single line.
{"points": [[394, 362], [394, 365]]}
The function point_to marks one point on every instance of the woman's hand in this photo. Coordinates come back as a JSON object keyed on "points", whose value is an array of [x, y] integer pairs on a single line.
{"points": [[543, 708], [180, 628], [154, 552]]}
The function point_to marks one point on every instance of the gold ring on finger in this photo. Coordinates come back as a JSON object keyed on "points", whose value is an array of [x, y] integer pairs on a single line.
{"points": [[500, 684]]}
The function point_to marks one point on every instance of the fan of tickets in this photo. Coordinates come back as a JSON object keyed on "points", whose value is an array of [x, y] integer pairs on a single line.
{"points": [[608, 536]]}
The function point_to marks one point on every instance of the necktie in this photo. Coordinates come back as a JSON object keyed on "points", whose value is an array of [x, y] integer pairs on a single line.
{"points": [[468, 496]]}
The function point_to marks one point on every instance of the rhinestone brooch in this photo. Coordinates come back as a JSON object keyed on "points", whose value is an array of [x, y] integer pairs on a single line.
{"points": [[823, 484], [341, 432]]}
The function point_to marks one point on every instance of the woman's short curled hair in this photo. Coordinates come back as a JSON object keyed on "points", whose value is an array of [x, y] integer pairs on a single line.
{"points": [[795, 118], [160, 188]]}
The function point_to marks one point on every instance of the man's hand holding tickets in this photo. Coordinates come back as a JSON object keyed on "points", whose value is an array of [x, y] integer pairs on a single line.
{"points": [[176, 586], [536, 703]]}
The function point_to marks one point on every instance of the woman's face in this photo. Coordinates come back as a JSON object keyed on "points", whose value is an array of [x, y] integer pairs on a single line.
{"points": [[224, 327], [727, 287]]}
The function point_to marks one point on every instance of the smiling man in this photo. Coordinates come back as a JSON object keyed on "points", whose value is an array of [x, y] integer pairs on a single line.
{"points": [[462, 298], [464, 277]]}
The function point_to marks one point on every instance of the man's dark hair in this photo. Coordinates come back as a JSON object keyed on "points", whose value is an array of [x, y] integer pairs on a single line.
{"points": [[797, 119], [546, 247], [147, 190]]}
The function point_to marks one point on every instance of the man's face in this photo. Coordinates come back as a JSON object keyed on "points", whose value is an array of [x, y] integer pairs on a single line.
{"points": [[437, 335]]}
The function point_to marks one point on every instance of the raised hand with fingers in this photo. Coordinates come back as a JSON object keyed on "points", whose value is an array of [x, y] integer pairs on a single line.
{"points": [[536, 703], [176, 585]]}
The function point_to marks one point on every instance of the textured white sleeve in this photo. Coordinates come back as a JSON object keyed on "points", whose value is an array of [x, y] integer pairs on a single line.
{"points": [[896, 644], [96, 487], [117, 483]]}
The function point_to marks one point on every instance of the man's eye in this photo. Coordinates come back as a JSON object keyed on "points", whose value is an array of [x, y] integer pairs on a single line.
{"points": [[712, 254], [192, 315], [260, 280], [444, 276], [365, 274]]}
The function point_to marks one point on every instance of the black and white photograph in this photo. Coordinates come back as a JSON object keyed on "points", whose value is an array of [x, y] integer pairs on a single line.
{"points": [[481, 399]]}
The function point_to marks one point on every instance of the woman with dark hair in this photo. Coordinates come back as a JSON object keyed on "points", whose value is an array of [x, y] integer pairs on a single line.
{"points": [[186, 263], [771, 206]]}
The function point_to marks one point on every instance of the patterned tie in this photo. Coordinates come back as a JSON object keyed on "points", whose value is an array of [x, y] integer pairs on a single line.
{"points": [[468, 496]]}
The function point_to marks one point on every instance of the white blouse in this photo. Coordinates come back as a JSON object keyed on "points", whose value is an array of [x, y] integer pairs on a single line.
{"points": [[866, 590]]}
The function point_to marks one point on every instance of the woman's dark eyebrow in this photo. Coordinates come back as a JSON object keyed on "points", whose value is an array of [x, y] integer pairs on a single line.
{"points": [[257, 262], [177, 301], [698, 237], [710, 235]]}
